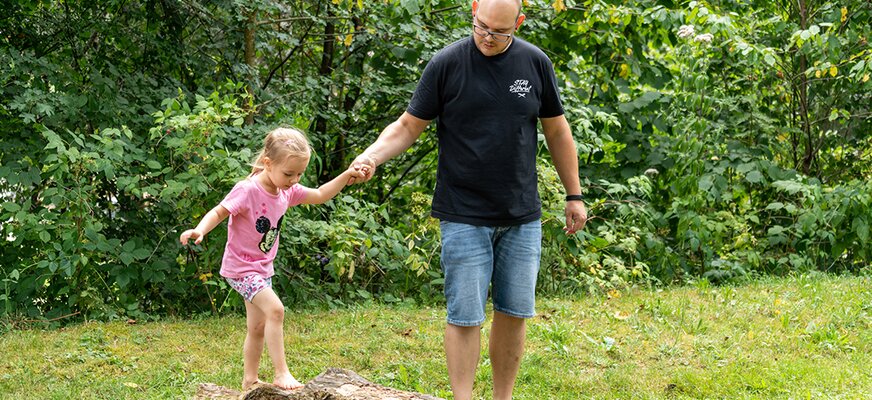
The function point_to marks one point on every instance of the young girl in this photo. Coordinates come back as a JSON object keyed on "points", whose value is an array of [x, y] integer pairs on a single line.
{"points": [[256, 207]]}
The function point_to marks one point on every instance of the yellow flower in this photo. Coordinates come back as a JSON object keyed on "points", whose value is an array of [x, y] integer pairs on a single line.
{"points": [[817, 73], [558, 5], [844, 14], [865, 78], [625, 71], [629, 51], [348, 38], [834, 71]]}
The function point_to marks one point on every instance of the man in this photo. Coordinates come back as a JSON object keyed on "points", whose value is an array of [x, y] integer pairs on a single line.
{"points": [[487, 92]]}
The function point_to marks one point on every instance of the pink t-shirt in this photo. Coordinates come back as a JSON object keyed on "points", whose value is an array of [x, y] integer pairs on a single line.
{"points": [[253, 231]]}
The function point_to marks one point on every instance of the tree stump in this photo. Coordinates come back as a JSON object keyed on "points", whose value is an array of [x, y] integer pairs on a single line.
{"points": [[332, 384]]}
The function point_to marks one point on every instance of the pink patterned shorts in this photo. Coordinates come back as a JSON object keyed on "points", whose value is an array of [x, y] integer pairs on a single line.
{"points": [[249, 285]]}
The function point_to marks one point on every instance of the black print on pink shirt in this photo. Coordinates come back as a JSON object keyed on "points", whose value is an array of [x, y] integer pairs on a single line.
{"points": [[269, 234]]}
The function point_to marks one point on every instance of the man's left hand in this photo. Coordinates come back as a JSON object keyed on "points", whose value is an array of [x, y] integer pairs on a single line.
{"points": [[576, 216]]}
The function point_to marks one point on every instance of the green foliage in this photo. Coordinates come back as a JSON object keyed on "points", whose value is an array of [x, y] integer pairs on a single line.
{"points": [[96, 231], [704, 126], [350, 250], [716, 140], [606, 255]]}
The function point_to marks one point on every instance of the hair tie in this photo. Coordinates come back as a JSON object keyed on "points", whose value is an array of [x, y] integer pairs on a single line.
{"points": [[289, 142]]}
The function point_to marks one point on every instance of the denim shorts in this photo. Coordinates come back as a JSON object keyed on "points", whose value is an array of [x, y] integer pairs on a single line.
{"points": [[250, 285], [504, 259]]}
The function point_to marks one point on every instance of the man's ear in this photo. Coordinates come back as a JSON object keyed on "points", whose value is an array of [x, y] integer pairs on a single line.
{"points": [[520, 20], [474, 7]]}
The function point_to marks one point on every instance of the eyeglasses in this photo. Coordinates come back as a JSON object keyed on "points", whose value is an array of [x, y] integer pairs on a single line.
{"points": [[499, 37]]}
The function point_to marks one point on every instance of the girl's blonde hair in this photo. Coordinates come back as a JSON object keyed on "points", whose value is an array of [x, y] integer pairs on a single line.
{"points": [[281, 144]]}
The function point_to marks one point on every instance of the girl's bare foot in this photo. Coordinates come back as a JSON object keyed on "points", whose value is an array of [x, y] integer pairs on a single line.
{"points": [[287, 381], [248, 384]]}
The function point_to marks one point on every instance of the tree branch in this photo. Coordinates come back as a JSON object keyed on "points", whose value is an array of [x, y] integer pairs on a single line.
{"points": [[287, 57], [290, 19], [406, 172]]}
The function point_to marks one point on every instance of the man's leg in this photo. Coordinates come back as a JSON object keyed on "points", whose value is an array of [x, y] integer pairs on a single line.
{"points": [[516, 252], [506, 349], [462, 349], [467, 262]]}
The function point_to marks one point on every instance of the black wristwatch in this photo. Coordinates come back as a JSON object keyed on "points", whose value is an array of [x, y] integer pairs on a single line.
{"points": [[574, 197]]}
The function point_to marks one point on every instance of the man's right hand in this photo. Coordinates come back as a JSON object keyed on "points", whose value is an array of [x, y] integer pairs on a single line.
{"points": [[366, 164]]}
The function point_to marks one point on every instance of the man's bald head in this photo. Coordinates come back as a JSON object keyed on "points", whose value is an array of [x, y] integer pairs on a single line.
{"points": [[500, 17], [516, 4]]}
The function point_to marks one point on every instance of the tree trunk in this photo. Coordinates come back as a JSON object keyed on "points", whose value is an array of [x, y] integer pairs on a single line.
{"points": [[333, 384], [250, 61], [353, 66], [804, 103], [325, 72]]}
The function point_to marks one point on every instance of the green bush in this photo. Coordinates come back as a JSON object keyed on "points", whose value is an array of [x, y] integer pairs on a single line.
{"points": [[739, 149], [94, 228]]}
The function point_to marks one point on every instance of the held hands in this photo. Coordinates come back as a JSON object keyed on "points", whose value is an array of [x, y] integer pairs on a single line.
{"points": [[576, 216], [354, 175], [365, 165], [191, 234]]}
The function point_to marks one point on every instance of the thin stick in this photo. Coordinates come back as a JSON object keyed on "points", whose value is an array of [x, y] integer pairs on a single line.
{"points": [[53, 319]]}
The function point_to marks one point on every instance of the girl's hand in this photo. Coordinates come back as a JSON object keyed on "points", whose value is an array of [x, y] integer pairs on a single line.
{"points": [[364, 164], [356, 175], [191, 234]]}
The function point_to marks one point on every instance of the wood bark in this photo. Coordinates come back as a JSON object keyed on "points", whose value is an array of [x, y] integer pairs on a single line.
{"points": [[333, 384], [251, 61], [325, 72]]}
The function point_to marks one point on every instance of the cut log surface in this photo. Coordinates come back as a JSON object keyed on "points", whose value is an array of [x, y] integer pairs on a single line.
{"points": [[333, 384]]}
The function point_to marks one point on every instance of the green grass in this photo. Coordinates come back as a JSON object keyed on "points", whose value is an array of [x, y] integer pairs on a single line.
{"points": [[799, 338]]}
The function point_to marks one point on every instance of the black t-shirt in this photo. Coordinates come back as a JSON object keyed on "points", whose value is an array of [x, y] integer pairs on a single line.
{"points": [[487, 109]]}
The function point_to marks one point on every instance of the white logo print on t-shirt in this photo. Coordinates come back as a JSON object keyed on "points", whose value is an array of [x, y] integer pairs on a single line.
{"points": [[521, 87]]}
